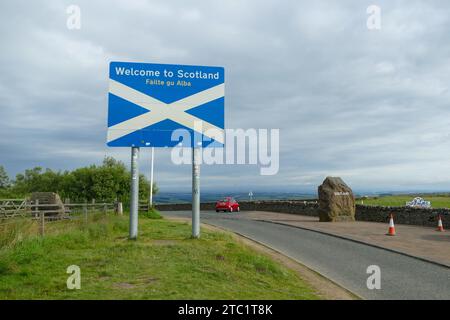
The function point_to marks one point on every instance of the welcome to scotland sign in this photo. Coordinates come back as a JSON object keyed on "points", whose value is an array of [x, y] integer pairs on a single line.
{"points": [[148, 102]]}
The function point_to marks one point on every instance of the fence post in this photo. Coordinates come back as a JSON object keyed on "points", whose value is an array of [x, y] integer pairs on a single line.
{"points": [[119, 208], [42, 225], [36, 208], [105, 209], [85, 211]]}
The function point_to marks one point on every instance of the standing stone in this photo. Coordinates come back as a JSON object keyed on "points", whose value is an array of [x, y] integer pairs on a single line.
{"points": [[336, 201]]}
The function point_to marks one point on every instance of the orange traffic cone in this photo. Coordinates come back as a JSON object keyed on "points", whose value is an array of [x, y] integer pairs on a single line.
{"points": [[440, 226], [391, 231]]}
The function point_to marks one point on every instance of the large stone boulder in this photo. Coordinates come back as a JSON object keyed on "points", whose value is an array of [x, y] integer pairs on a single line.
{"points": [[336, 201], [54, 202]]}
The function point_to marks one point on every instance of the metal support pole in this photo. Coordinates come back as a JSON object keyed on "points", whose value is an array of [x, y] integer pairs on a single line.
{"points": [[151, 178], [196, 192], [134, 199]]}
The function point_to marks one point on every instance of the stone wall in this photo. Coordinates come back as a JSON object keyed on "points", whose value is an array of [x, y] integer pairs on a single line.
{"points": [[52, 199], [183, 206], [402, 215], [306, 208]]}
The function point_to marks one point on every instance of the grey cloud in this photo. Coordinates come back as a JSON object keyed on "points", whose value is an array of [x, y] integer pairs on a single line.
{"points": [[371, 106]]}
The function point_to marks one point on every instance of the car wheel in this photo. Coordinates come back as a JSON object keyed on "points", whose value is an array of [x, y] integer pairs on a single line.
{"points": [[217, 210]]}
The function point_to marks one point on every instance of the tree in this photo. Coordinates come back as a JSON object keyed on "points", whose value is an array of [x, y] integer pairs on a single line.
{"points": [[108, 182], [4, 179], [35, 180]]}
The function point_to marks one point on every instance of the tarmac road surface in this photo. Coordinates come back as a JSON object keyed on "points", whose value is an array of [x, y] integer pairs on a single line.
{"points": [[343, 261]]}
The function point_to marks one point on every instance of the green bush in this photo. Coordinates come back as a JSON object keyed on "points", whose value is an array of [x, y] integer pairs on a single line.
{"points": [[151, 214]]}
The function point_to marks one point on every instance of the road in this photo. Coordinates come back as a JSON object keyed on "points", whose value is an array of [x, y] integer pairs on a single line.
{"points": [[343, 261]]}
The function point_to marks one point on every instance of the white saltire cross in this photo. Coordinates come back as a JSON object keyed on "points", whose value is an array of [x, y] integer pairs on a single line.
{"points": [[160, 111]]}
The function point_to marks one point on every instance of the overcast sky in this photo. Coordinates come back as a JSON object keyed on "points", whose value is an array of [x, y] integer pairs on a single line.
{"points": [[371, 106]]}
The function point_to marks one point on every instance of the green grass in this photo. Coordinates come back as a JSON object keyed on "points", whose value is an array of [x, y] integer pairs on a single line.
{"points": [[164, 263], [152, 214], [437, 201]]}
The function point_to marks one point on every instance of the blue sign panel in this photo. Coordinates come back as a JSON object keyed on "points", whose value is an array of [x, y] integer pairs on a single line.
{"points": [[162, 105]]}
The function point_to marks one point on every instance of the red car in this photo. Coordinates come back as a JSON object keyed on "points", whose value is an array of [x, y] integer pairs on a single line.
{"points": [[227, 204]]}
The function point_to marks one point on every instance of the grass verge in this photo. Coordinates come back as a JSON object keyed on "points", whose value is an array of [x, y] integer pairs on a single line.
{"points": [[152, 214], [164, 263], [437, 201]]}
